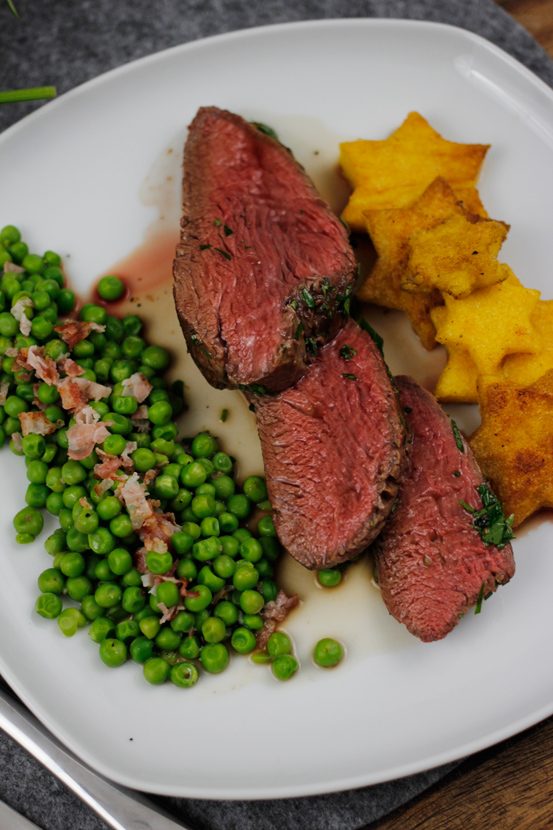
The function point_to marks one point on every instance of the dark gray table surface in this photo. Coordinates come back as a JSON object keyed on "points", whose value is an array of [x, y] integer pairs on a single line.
{"points": [[67, 43]]}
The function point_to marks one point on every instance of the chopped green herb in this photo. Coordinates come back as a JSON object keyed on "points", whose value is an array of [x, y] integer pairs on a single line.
{"points": [[293, 304], [255, 389], [349, 376], [205, 247], [224, 415], [307, 297], [227, 231], [264, 128], [12, 7], [456, 473], [223, 253], [347, 352], [217, 223], [311, 345], [325, 285], [299, 331], [346, 226], [37, 93], [490, 521], [407, 410], [374, 334], [457, 435], [251, 407], [478, 606]]}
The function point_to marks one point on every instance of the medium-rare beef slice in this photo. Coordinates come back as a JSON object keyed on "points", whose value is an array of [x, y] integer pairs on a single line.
{"points": [[333, 451], [432, 564], [263, 267]]}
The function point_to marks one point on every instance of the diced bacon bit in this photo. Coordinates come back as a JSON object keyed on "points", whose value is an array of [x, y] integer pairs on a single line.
{"points": [[142, 568], [169, 614], [133, 494], [274, 613], [18, 311], [73, 331], [11, 352], [108, 467], [4, 389], [83, 501], [126, 460], [149, 476], [70, 367], [17, 442], [36, 423], [141, 413], [11, 267], [156, 531], [44, 367], [138, 386], [77, 392], [102, 486], [86, 432]]}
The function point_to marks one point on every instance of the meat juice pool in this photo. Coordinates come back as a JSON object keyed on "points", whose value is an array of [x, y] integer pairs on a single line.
{"points": [[353, 612]]}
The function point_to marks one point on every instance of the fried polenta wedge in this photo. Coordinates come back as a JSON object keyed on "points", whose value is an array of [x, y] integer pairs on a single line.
{"points": [[514, 444], [394, 172], [457, 256], [490, 323], [524, 369], [390, 231]]}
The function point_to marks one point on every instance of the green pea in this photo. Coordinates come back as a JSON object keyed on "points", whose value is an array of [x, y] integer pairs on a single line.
{"points": [[78, 587], [144, 459], [114, 444], [224, 487], [224, 566], [183, 622], [207, 549], [166, 487], [167, 639], [265, 526], [186, 569], [28, 521], [141, 649], [48, 605], [66, 301], [37, 471], [113, 652], [251, 602], [87, 521], [255, 488], [121, 526], [120, 561], [242, 640], [133, 599], [156, 670], [100, 628], [9, 235], [284, 667], [231, 546], [214, 657], [203, 445], [190, 647], [92, 313], [51, 581], [168, 594], [70, 620], [155, 357], [214, 630], [184, 675], [251, 550], [41, 328], [329, 577], [245, 577], [240, 505], [90, 608], [207, 577], [279, 643], [131, 579], [328, 653], [8, 324], [159, 563], [108, 508], [127, 630], [181, 542], [160, 413], [203, 505], [198, 598], [101, 541], [108, 595], [111, 288], [222, 462], [72, 564], [124, 404]]}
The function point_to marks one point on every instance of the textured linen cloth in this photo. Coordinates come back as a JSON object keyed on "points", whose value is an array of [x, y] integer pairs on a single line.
{"points": [[67, 43]]}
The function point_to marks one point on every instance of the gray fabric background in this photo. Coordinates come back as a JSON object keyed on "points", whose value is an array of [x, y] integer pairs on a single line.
{"points": [[65, 44]]}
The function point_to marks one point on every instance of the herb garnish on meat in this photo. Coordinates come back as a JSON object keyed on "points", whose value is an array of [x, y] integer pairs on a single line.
{"points": [[457, 435], [490, 521], [347, 352]]}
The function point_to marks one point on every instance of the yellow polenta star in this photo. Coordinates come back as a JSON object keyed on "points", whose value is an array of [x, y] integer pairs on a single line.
{"points": [[523, 369], [490, 323], [390, 231], [394, 172], [457, 256], [514, 444]]}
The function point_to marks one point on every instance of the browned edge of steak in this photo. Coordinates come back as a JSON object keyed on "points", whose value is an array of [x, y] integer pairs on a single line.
{"points": [[333, 449], [263, 269], [432, 564]]}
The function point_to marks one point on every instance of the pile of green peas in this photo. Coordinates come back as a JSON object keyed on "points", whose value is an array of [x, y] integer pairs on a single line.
{"points": [[212, 584]]}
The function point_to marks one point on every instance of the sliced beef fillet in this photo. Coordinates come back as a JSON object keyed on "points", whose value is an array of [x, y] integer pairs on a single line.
{"points": [[333, 452], [263, 266], [432, 564]]}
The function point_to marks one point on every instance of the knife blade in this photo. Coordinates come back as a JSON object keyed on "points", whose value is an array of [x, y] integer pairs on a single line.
{"points": [[119, 807]]}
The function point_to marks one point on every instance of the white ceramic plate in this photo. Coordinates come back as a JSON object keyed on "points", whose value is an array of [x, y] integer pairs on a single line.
{"points": [[71, 177]]}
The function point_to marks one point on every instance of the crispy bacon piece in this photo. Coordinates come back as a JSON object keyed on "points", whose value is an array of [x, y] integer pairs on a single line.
{"points": [[18, 311], [73, 331], [156, 531], [138, 386], [77, 392], [36, 423], [44, 367], [11, 267], [274, 613], [107, 468], [103, 486], [126, 460], [16, 441], [87, 431], [70, 367], [139, 508], [4, 389]]}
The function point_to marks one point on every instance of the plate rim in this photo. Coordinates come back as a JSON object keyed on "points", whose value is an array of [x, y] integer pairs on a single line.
{"points": [[336, 785]]}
